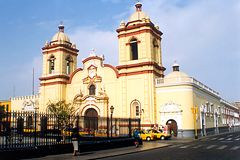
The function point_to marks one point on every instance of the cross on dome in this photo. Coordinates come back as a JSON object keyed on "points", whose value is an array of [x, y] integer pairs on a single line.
{"points": [[175, 66], [138, 6], [93, 52], [61, 27], [138, 14]]}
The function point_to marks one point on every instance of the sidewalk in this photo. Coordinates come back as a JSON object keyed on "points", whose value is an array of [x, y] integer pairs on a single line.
{"points": [[106, 153]]}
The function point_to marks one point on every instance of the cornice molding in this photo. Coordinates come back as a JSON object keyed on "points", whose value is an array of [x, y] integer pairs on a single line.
{"points": [[141, 65], [130, 27], [52, 83], [92, 57], [54, 77]]}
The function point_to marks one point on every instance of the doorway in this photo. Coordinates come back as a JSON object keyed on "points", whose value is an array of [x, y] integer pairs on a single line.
{"points": [[91, 120], [172, 127]]}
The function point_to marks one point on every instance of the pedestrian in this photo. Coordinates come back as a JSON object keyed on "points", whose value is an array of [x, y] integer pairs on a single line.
{"points": [[137, 138], [172, 132], [75, 139]]}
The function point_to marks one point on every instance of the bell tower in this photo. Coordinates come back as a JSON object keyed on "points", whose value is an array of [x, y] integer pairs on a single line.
{"points": [[59, 61], [140, 41], [60, 55], [140, 62]]}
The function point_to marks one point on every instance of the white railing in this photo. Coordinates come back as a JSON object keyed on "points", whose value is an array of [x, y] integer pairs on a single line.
{"points": [[183, 80], [26, 97], [228, 104]]}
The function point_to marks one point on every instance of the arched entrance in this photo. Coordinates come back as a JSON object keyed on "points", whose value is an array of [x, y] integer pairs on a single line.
{"points": [[172, 127], [91, 119]]}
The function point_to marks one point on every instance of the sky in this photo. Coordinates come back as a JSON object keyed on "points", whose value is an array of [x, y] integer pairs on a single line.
{"points": [[203, 36]]}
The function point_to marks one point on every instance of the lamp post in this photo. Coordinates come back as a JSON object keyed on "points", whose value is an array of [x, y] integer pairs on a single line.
{"points": [[111, 110], [195, 112], [141, 118]]}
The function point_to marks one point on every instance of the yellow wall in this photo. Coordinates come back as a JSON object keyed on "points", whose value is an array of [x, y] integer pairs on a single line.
{"points": [[22, 103], [181, 95]]}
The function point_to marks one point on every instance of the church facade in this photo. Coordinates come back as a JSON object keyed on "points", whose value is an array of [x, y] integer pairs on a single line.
{"points": [[136, 87]]}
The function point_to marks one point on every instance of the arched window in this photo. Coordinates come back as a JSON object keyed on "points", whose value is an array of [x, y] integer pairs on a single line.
{"points": [[137, 111], [51, 64], [92, 89], [155, 49], [134, 49], [69, 64]]}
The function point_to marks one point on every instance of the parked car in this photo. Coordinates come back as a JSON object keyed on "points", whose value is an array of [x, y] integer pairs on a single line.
{"points": [[147, 136], [159, 135]]}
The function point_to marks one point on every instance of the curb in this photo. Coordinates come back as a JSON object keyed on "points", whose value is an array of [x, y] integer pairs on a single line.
{"points": [[130, 152]]}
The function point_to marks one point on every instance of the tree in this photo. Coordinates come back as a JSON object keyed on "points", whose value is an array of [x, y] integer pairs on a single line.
{"points": [[65, 113]]}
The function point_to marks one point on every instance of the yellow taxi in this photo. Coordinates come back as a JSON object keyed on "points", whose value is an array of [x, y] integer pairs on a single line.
{"points": [[69, 132], [147, 136], [159, 135]]}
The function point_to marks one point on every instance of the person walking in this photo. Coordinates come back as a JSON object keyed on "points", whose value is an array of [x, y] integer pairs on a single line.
{"points": [[136, 135], [172, 132], [75, 139]]}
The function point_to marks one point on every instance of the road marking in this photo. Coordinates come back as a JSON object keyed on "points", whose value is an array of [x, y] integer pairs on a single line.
{"points": [[235, 148], [229, 139], [211, 146], [237, 139], [222, 147], [230, 135], [213, 138], [221, 139], [173, 146], [184, 146], [226, 141], [197, 146]]}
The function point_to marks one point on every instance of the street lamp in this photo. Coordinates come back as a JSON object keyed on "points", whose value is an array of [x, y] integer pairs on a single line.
{"points": [[111, 110], [141, 118]]}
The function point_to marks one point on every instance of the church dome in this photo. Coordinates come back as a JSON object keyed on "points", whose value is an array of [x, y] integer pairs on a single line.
{"points": [[60, 35], [176, 76], [139, 14]]}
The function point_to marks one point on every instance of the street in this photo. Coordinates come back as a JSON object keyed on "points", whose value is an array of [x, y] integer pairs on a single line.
{"points": [[220, 147]]}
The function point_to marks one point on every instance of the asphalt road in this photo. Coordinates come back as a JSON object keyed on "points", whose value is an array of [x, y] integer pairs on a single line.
{"points": [[220, 147]]}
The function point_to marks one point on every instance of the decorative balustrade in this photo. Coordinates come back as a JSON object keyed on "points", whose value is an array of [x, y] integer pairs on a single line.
{"points": [[184, 80]]}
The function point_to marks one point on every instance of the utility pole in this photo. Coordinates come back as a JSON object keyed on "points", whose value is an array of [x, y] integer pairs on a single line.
{"points": [[33, 82], [14, 90]]}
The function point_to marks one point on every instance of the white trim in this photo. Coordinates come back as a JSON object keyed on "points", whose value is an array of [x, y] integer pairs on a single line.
{"points": [[173, 90]]}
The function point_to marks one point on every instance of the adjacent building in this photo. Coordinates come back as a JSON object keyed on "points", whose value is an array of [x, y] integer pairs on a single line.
{"points": [[5, 107]]}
